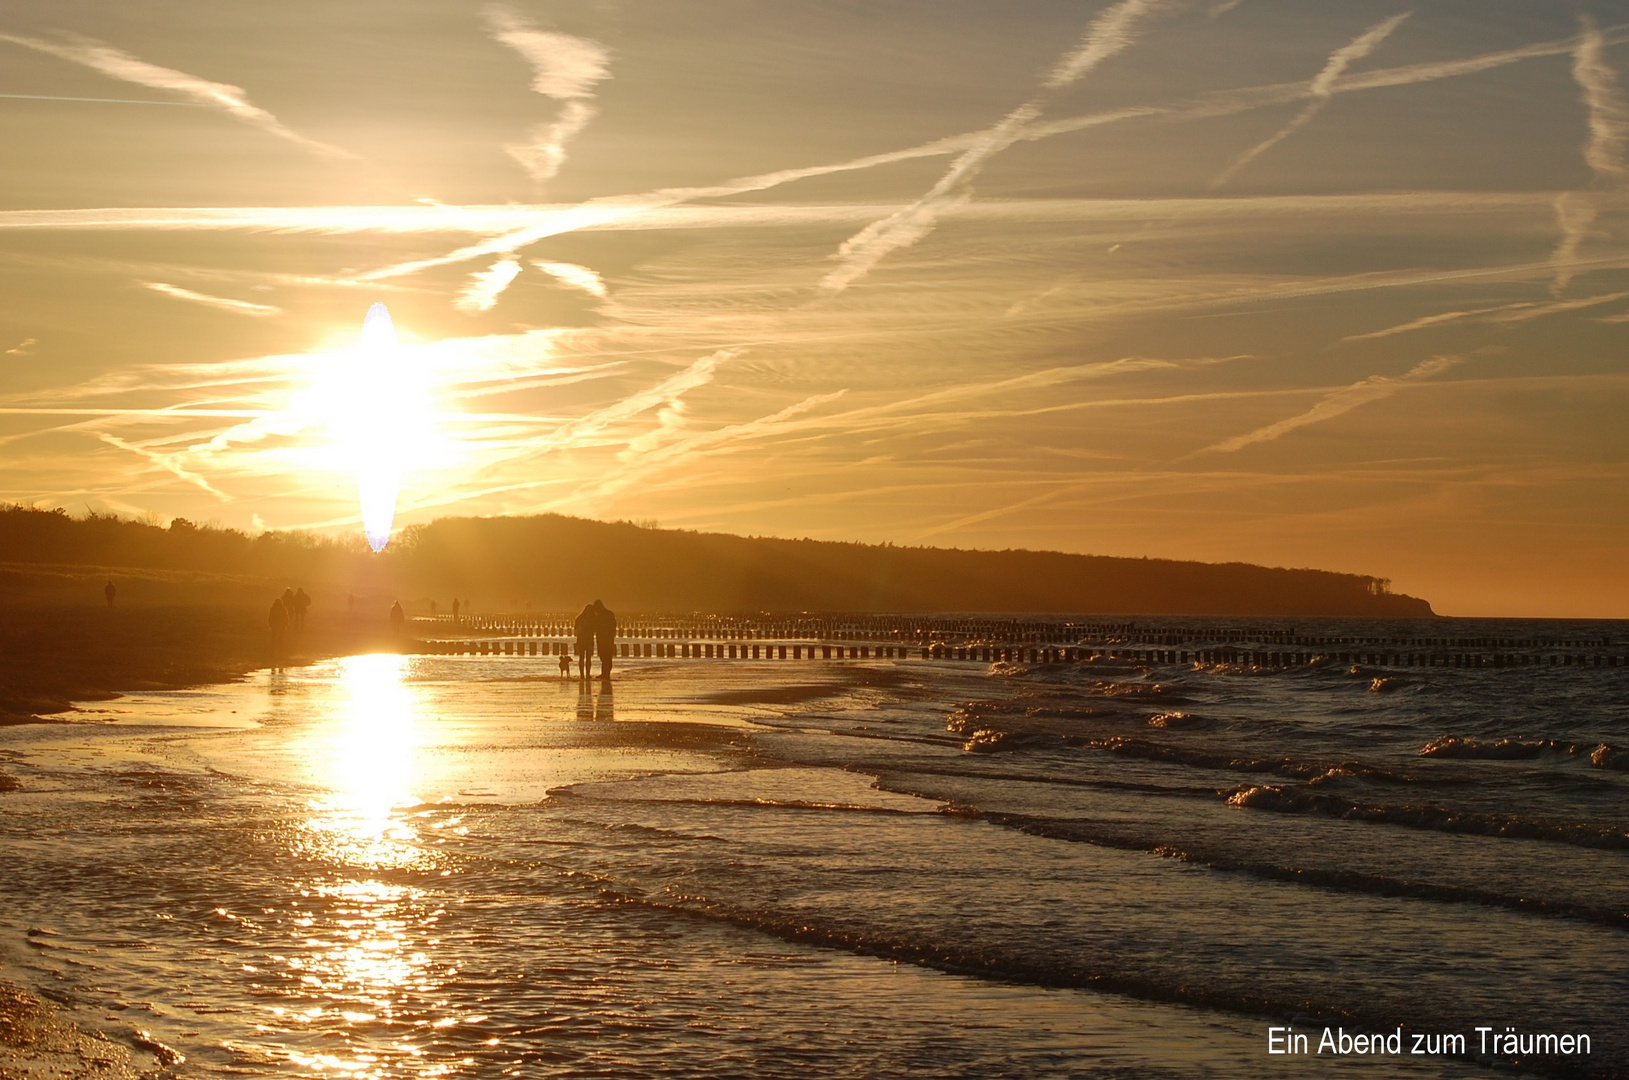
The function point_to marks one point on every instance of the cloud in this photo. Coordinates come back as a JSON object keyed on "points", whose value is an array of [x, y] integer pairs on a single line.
{"points": [[545, 153], [1110, 33], [1322, 88], [222, 97], [1608, 115], [1502, 313], [1342, 401], [1608, 121], [565, 68], [222, 303], [578, 277], [1574, 214], [486, 286], [23, 347]]}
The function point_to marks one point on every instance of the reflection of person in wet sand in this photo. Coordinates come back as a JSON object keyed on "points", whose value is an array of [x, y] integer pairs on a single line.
{"points": [[277, 621], [596, 707], [584, 627], [605, 636]]}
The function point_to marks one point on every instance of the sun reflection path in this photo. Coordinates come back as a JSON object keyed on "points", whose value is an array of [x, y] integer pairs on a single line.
{"points": [[359, 972], [368, 761]]}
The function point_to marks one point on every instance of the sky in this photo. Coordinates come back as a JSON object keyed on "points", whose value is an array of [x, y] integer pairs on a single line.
{"points": [[1341, 286]]}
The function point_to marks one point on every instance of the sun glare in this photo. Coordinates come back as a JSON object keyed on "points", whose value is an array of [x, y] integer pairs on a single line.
{"points": [[375, 400]]}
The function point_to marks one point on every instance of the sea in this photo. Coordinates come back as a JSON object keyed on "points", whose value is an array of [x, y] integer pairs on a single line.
{"points": [[1310, 847]]}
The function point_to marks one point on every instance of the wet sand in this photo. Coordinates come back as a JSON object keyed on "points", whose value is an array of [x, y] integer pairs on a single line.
{"points": [[60, 643]]}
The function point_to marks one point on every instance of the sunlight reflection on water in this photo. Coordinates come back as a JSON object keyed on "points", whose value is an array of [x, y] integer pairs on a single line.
{"points": [[368, 758]]}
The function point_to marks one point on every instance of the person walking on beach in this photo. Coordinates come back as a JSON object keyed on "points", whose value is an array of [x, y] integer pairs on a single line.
{"points": [[398, 618], [584, 627], [605, 636], [277, 622], [110, 591], [455, 611], [301, 602]]}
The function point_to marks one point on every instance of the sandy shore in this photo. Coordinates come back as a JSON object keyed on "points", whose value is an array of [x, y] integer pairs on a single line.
{"points": [[36, 1042], [60, 642]]}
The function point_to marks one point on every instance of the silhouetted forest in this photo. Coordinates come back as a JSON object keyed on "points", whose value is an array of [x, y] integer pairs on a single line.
{"points": [[555, 563]]}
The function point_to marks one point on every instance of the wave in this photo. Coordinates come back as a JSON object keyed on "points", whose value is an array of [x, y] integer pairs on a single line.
{"points": [[1284, 800], [1336, 880], [1097, 970], [1520, 748]]}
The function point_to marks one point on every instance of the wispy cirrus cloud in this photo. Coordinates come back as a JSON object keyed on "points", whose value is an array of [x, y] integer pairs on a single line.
{"points": [[1321, 89], [1608, 114], [222, 97], [1608, 119], [1342, 401], [565, 68], [220, 303]]}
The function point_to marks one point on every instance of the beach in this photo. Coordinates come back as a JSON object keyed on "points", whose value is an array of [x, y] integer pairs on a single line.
{"points": [[388, 865]]}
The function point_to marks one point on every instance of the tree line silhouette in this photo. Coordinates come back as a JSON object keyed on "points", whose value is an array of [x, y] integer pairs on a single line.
{"points": [[552, 561]]}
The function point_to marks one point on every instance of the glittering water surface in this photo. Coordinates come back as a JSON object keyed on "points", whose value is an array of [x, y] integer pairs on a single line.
{"points": [[389, 866]]}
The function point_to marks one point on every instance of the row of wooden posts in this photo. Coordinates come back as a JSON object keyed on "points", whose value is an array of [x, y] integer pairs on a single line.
{"points": [[987, 654]]}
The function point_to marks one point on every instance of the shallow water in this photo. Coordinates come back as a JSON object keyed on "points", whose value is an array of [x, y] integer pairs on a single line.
{"points": [[388, 866]]}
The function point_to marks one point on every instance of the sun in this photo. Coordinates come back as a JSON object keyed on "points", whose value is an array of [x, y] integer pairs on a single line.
{"points": [[375, 401]]}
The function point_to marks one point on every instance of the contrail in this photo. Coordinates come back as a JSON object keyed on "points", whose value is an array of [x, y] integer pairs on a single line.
{"points": [[241, 307], [487, 285], [1322, 88], [1111, 32], [578, 277], [102, 100], [1344, 400], [222, 97], [1502, 313]]}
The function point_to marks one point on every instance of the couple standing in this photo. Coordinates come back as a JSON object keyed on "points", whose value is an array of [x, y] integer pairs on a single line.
{"points": [[596, 631]]}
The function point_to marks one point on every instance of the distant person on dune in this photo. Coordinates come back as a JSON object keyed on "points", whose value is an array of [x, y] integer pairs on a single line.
{"points": [[110, 591], [398, 618], [277, 621], [605, 636], [584, 626]]}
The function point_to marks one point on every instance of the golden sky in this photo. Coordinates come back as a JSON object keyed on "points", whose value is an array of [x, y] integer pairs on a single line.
{"points": [[1332, 285]]}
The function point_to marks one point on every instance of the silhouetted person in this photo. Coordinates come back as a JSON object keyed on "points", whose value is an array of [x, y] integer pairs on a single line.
{"points": [[277, 621], [455, 611], [398, 618], [584, 626], [110, 591], [605, 636], [301, 602], [565, 666]]}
